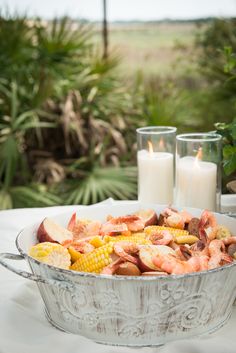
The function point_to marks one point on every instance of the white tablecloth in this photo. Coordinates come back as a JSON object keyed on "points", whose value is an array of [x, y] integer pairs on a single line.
{"points": [[24, 328]]}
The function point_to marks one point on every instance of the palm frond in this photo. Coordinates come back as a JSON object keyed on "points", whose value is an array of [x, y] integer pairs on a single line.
{"points": [[9, 158], [101, 183], [26, 196], [5, 200]]}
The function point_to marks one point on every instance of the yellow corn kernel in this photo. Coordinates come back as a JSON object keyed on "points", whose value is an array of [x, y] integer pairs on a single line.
{"points": [[137, 239], [186, 239], [174, 231], [51, 253], [94, 261], [97, 241], [140, 234], [74, 254], [222, 232], [126, 233]]}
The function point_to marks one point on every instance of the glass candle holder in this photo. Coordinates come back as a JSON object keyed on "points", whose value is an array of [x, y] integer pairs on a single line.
{"points": [[155, 157], [198, 171]]}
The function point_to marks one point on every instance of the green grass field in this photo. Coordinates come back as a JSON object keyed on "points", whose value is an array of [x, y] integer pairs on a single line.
{"points": [[168, 62], [159, 48]]}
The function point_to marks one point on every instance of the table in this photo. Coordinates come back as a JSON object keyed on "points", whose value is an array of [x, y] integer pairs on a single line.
{"points": [[24, 328]]}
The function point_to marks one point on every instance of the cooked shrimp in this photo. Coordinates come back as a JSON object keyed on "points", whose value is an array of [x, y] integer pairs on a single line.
{"points": [[216, 248], [133, 222], [109, 228], [198, 246], [173, 245], [163, 237], [203, 236], [173, 219], [226, 259], [83, 229], [117, 225], [183, 252], [124, 248], [203, 262], [229, 241], [186, 216], [82, 246], [207, 220], [171, 264], [111, 268], [199, 249]]}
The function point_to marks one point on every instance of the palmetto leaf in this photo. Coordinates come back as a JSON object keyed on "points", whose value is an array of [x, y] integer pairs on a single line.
{"points": [[9, 156], [27, 196], [5, 200], [13, 131], [85, 100], [101, 183], [60, 45], [24, 196]]}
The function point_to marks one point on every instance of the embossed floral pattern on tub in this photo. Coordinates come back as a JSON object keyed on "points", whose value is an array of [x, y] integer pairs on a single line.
{"points": [[171, 292], [108, 299]]}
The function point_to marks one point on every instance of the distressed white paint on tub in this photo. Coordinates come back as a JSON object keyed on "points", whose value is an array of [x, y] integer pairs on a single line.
{"points": [[133, 311]]}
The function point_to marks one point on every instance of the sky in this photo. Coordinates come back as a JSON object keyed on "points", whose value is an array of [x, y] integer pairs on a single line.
{"points": [[124, 9]]}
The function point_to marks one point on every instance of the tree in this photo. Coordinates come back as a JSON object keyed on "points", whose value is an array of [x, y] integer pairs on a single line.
{"points": [[105, 30]]}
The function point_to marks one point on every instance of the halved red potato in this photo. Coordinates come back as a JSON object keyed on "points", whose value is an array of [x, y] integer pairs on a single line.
{"points": [[232, 250], [149, 217], [128, 269], [51, 232], [148, 252]]}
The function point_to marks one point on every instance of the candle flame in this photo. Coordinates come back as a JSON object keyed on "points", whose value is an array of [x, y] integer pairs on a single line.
{"points": [[150, 147], [161, 144], [198, 156]]}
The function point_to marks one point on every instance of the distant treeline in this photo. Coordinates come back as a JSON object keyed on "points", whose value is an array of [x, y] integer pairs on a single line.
{"points": [[166, 20]]}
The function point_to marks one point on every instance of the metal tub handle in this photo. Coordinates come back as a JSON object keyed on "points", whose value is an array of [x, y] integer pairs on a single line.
{"points": [[53, 282]]}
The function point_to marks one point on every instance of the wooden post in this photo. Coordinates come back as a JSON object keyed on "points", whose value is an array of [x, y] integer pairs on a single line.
{"points": [[105, 31]]}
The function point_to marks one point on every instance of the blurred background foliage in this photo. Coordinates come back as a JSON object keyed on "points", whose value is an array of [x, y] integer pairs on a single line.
{"points": [[68, 116]]}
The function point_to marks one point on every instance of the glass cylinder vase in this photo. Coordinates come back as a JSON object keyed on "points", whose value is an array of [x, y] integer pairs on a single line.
{"points": [[198, 171], [155, 157]]}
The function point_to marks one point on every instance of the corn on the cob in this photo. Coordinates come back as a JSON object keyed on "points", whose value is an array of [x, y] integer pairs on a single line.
{"points": [[74, 254], [222, 232], [186, 239], [97, 241], [137, 239], [52, 254], [94, 261], [174, 231]]}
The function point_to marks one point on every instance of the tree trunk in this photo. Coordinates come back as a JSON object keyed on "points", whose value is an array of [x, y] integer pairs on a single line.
{"points": [[105, 30]]}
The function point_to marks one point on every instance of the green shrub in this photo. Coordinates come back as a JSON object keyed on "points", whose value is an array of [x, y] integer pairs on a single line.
{"points": [[228, 131], [60, 104], [218, 93]]}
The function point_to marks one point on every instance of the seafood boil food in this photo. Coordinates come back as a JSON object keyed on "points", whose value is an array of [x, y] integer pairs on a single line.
{"points": [[139, 244]]}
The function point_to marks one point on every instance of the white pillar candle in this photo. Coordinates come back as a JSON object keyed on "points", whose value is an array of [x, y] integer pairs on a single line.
{"points": [[155, 177], [196, 183]]}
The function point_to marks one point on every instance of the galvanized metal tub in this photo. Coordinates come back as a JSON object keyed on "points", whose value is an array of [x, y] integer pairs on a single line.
{"points": [[130, 311]]}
